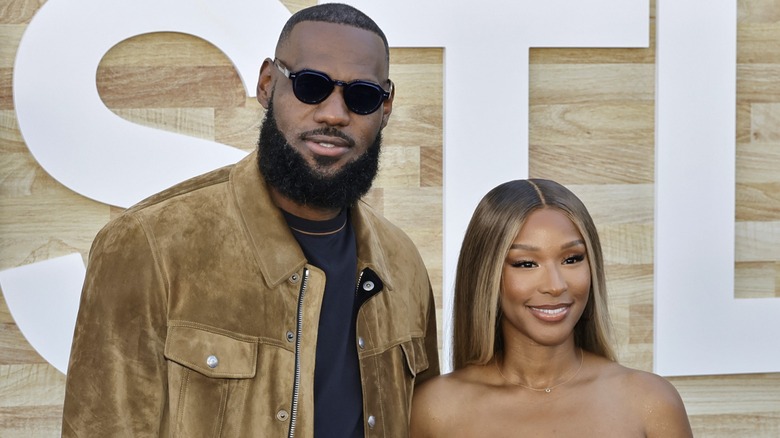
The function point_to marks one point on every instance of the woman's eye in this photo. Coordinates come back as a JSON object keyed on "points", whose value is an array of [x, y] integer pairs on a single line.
{"points": [[574, 259], [523, 264]]}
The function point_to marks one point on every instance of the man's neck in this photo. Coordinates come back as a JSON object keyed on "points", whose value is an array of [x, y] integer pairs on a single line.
{"points": [[300, 210]]}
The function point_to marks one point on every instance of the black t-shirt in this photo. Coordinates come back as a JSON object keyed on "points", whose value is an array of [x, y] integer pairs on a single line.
{"points": [[338, 397]]}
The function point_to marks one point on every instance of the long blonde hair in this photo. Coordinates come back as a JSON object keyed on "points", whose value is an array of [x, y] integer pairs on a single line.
{"points": [[493, 227]]}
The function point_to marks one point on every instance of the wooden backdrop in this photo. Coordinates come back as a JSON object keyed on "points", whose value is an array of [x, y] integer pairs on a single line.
{"points": [[592, 128]]}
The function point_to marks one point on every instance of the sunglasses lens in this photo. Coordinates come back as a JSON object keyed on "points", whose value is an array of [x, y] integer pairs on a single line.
{"points": [[313, 87], [310, 87], [363, 98]]}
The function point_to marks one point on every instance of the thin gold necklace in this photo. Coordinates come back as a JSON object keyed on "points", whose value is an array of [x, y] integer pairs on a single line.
{"points": [[549, 388]]}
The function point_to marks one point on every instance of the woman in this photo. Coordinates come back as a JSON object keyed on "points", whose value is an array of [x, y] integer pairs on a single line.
{"points": [[532, 353]]}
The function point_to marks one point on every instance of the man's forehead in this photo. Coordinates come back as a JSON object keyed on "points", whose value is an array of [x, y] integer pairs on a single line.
{"points": [[313, 36], [340, 50]]}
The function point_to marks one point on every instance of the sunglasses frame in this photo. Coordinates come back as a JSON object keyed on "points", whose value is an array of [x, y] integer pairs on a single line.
{"points": [[293, 76]]}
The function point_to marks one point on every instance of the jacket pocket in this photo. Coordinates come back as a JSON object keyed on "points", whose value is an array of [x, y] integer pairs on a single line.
{"points": [[388, 384], [208, 373], [415, 355]]}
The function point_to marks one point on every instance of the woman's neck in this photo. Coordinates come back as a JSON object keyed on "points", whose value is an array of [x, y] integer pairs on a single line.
{"points": [[540, 367]]}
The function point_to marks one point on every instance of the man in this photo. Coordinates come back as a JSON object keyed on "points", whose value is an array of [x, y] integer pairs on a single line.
{"points": [[263, 299]]}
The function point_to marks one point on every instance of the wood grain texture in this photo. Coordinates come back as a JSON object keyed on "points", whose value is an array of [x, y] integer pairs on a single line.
{"points": [[591, 127]]}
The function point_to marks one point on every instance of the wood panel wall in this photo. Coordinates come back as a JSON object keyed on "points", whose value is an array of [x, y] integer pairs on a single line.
{"points": [[592, 128]]}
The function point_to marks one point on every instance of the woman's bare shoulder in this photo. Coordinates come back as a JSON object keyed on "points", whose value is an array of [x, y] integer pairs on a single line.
{"points": [[653, 398], [441, 388], [645, 384], [441, 397]]}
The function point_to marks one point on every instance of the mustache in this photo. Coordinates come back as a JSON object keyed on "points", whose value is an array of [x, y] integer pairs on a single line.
{"points": [[330, 132]]}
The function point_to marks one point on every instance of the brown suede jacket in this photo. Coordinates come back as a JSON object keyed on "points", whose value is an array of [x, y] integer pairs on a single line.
{"points": [[199, 318]]}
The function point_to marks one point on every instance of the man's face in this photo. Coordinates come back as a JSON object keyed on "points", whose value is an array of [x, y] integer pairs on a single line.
{"points": [[327, 136]]}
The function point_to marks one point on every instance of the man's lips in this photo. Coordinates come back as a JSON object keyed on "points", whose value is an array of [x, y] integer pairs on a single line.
{"points": [[326, 148], [327, 145]]}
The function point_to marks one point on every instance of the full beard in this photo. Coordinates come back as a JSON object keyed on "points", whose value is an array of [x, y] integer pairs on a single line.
{"points": [[286, 170]]}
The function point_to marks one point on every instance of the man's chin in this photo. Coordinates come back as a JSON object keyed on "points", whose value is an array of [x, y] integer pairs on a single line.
{"points": [[326, 166], [314, 180]]}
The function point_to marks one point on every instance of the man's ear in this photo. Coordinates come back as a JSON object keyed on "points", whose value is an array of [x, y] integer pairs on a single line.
{"points": [[387, 106], [265, 83]]}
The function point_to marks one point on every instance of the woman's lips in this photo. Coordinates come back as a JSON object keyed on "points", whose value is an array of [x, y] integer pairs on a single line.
{"points": [[550, 313]]}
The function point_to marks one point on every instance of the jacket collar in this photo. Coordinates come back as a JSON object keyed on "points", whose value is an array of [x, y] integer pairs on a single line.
{"points": [[277, 252], [370, 249]]}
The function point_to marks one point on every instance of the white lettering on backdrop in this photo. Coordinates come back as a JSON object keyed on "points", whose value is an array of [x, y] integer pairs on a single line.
{"points": [[700, 328]]}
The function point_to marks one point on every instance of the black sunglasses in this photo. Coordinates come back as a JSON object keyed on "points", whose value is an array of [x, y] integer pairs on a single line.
{"points": [[312, 87]]}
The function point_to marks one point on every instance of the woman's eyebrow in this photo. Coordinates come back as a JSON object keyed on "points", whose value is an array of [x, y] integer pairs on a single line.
{"points": [[525, 247]]}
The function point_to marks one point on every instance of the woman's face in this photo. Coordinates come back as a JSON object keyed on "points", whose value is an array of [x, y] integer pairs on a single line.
{"points": [[545, 280]]}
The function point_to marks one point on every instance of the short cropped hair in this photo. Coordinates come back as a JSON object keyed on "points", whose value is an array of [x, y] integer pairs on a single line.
{"points": [[337, 13], [493, 227]]}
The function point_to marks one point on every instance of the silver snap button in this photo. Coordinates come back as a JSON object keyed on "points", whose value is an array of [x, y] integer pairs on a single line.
{"points": [[290, 336], [368, 286], [212, 361], [361, 343], [294, 278], [282, 415], [371, 421]]}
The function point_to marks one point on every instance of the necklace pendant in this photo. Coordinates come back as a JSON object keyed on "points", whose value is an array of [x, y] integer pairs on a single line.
{"points": [[548, 390]]}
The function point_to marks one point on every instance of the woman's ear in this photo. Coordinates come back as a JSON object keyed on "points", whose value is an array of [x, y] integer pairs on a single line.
{"points": [[265, 83]]}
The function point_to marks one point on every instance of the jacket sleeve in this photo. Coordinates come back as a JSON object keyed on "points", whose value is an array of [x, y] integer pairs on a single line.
{"points": [[431, 343], [116, 383]]}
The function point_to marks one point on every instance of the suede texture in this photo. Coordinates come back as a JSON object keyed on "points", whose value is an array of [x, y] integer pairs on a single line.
{"points": [[188, 322]]}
